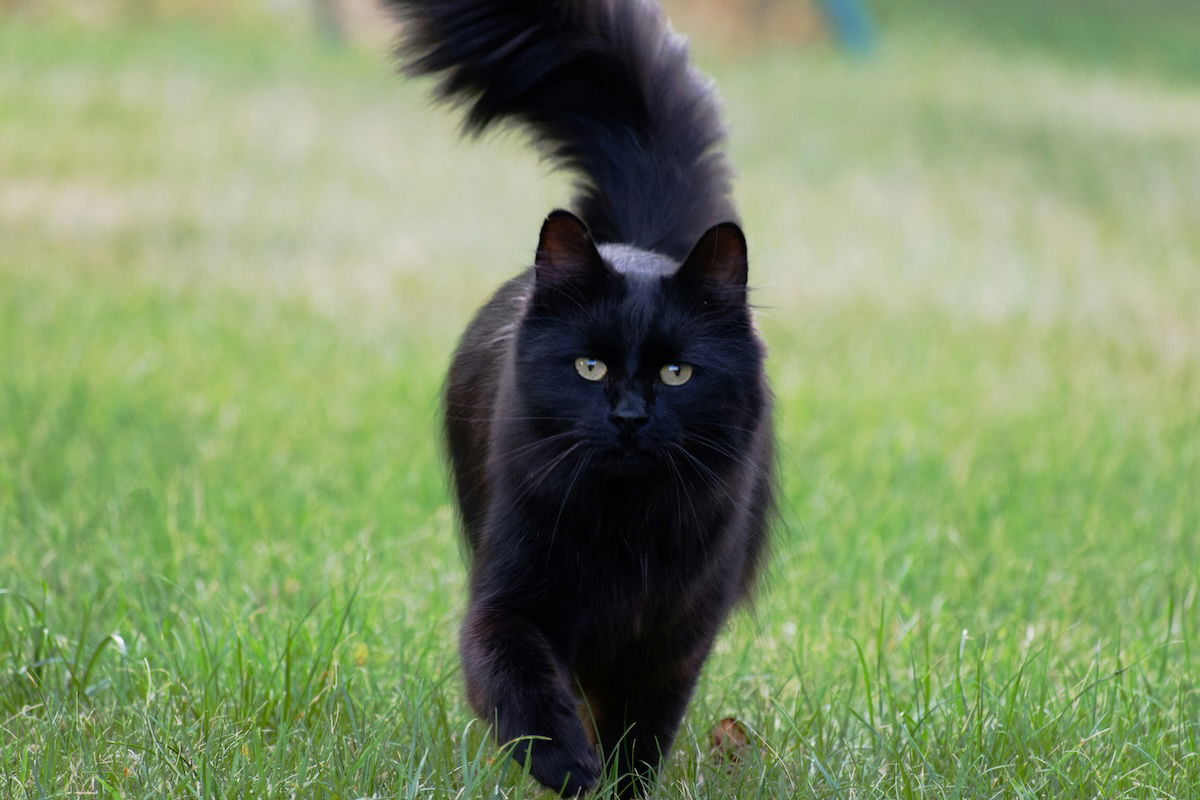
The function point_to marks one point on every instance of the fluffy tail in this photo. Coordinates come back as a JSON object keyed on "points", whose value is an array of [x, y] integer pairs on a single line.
{"points": [[605, 88]]}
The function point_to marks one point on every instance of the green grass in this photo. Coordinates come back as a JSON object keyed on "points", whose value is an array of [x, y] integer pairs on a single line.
{"points": [[1150, 37], [231, 274]]}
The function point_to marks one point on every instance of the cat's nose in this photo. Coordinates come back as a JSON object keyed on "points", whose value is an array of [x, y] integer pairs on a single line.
{"points": [[628, 421], [630, 413]]}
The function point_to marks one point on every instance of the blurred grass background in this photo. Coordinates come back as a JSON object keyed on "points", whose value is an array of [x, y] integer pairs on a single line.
{"points": [[234, 257]]}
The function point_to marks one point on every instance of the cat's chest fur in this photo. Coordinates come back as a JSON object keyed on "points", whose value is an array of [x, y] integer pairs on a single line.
{"points": [[620, 566]]}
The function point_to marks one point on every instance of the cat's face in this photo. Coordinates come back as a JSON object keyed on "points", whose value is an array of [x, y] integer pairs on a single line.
{"points": [[636, 367]]}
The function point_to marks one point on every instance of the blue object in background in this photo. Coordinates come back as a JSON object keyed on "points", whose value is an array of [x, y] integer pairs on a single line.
{"points": [[851, 23]]}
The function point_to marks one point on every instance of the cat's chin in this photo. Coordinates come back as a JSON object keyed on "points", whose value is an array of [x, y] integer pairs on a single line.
{"points": [[622, 462]]}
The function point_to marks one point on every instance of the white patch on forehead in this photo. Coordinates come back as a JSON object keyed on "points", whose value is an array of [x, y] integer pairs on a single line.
{"points": [[629, 260]]}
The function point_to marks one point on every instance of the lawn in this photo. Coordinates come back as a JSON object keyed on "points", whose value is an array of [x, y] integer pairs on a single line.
{"points": [[233, 264]]}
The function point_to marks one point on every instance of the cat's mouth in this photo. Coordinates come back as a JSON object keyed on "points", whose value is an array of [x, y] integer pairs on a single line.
{"points": [[629, 460]]}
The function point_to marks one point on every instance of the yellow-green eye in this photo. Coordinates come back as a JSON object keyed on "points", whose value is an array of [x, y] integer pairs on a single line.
{"points": [[676, 374], [591, 369]]}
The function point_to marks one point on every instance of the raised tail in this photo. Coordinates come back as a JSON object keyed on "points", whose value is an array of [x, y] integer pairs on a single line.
{"points": [[605, 88]]}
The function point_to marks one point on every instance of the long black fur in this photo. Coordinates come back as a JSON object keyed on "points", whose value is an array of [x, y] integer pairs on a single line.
{"points": [[607, 91], [612, 523]]}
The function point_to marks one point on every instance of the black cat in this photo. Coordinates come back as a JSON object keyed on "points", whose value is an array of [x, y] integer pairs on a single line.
{"points": [[607, 413]]}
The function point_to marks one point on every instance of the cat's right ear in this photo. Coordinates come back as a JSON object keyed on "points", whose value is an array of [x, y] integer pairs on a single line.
{"points": [[566, 254]]}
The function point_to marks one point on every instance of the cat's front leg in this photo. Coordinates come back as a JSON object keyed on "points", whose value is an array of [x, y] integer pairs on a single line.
{"points": [[643, 737], [517, 682], [638, 710]]}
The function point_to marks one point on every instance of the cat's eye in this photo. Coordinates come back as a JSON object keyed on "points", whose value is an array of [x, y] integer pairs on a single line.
{"points": [[591, 369], [676, 374]]}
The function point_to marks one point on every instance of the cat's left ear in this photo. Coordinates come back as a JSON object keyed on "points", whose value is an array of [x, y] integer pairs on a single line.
{"points": [[719, 262]]}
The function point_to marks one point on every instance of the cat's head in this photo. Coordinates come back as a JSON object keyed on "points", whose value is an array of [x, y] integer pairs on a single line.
{"points": [[639, 364]]}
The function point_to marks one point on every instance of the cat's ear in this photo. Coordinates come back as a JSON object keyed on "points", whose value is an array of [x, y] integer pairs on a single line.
{"points": [[719, 262], [566, 254]]}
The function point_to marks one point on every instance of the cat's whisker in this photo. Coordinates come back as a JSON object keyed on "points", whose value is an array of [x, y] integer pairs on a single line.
{"points": [[508, 418], [675, 480], [524, 449], [544, 473], [528, 447], [721, 426], [717, 447], [714, 480], [681, 483], [566, 496]]}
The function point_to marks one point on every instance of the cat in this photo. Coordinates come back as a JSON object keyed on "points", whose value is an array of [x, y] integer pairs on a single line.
{"points": [[607, 414]]}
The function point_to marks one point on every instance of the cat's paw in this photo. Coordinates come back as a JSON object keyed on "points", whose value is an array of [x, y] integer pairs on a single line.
{"points": [[569, 770]]}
